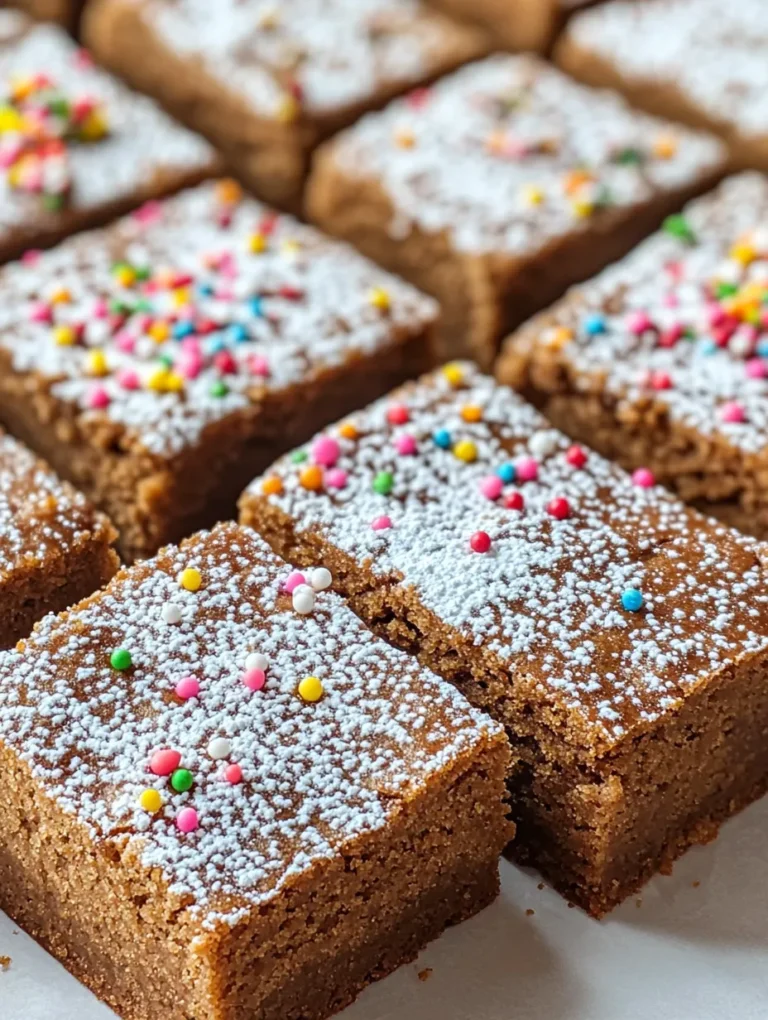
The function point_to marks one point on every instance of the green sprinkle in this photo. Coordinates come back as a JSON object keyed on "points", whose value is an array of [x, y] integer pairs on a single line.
{"points": [[724, 290], [383, 483], [121, 659], [629, 157], [678, 226], [219, 389], [53, 203], [299, 456], [182, 780]]}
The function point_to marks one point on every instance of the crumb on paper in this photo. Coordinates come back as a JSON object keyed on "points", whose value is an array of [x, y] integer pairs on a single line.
{"points": [[5, 962], [696, 884], [529, 912], [571, 905], [426, 974], [541, 886], [638, 902]]}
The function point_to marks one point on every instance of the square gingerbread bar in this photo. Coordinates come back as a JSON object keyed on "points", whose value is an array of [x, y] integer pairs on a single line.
{"points": [[55, 549], [661, 362], [269, 806], [267, 82], [77, 148], [500, 187], [698, 61], [516, 24], [620, 638], [162, 362]]}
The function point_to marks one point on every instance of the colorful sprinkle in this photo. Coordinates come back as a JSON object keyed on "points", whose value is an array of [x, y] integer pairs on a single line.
{"points": [[219, 748], [643, 478], [182, 780], [233, 774], [303, 600], [191, 579], [632, 600], [310, 689], [465, 450], [381, 523], [164, 762], [188, 687], [121, 659], [187, 820], [254, 679], [491, 486], [559, 508], [292, 582], [480, 542], [383, 483]]}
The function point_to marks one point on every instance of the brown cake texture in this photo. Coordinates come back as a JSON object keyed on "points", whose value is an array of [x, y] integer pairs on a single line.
{"points": [[621, 638], [516, 24], [63, 11], [267, 82], [227, 800], [697, 61], [101, 150], [500, 187], [55, 549], [661, 362], [162, 362]]}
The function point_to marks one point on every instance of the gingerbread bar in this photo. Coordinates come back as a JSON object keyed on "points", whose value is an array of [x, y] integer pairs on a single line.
{"points": [[77, 148], [267, 82], [620, 638], [269, 806], [54, 547], [65, 12], [500, 187], [161, 363], [516, 24], [661, 362], [692, 60]]}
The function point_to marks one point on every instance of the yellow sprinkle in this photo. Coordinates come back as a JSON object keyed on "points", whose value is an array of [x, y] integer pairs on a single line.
{"points": [[158, 380], [471, 412], [453, 373], [665, 146], [743, 253], [269, 19], [379, 298], [272, 486], [290, 247], [93, 127], [288, 109], [532, 195], [61, 296], [159, 331], [310, 689], [125, 276], [190, 579], [10, 120], [181, 297], [97, 363], [582, 209], [558, 337], [465, 450], [64, 336], [257, 243], [174, 383], [348, 431], [151, 801]]}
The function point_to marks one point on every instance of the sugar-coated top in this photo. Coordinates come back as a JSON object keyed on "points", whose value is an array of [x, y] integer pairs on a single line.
{"points": [[137, 141], [712, 52], [231, 733], [597, 593], [312, 57], [683, 320], [508, 153], [191, 310], [40, 516]]}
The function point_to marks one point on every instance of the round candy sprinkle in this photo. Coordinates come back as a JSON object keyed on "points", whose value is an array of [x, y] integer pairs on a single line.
{"points": [[383, 483], [398, 414], [191, 579], [471, 413], [325, 451], [219, 748], [491, 486], [170, 614], [303, 600], [756, 368], [299, 457], [321, 578], [182, 780], [442, 438], [293, 581], [164, 762], [311, 478], [632, 600], [527, 469], [348, 430], [335, 478], [381, 523], [643, 478], [405, 445], [480, 542], [256, 660], [576, 457], [559, 508], [121, 659], [233, 774], [272, 486], [594, 325], [188, 687], [542, 444], [310, 689], [465, 450], [187, 820], [514, 501], [453, 373], [732, 412], [254, 679], [506, 473], [151, 801]]}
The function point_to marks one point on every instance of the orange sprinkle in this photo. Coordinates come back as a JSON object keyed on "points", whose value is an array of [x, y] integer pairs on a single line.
{"points": [[575, 180], [405, 138], [348, 431], [272, 486], [665, 146], [229, 191], [312, 478], [559, 337], [472, 413]]}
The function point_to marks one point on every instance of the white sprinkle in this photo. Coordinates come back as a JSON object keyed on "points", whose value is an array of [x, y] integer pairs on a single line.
{"points": [[542, 444], [219, 748], [170, 613], [257, 661], [320, 578], [303, 599]]}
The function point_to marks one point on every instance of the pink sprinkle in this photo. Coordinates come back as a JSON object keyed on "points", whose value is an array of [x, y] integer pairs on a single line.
{"points": [[164, 762], [638, 323], [98, 398], [405, 444], [149, 213], [191, 345], [190, 365], [31, 257], [41, 312], [187, 820], [756, 368], [671, 300], [732, 412], [126, 342], [100, 309], [254, 679], [381, 523], [83, 59], [336, 479], [225, 363], [129, 379], [643, 477], [325, 451], [716, 315], [660, 381], [527, 469], [670, 336], [293, 581], [188, 687], [233, 774], [259, 365], [491, 486]]}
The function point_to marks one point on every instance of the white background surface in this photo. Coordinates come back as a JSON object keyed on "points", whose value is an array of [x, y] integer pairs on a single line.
{"points": [[684, 954]]}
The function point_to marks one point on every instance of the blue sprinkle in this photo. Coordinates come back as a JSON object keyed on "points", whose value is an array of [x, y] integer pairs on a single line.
{"points": [[707, 347], [216, 343], [238, 333], [183, 328], [632, 600], [762, 348], [594, 324], [205, 289], [256, 306], [506, 473], [442, 438]]}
